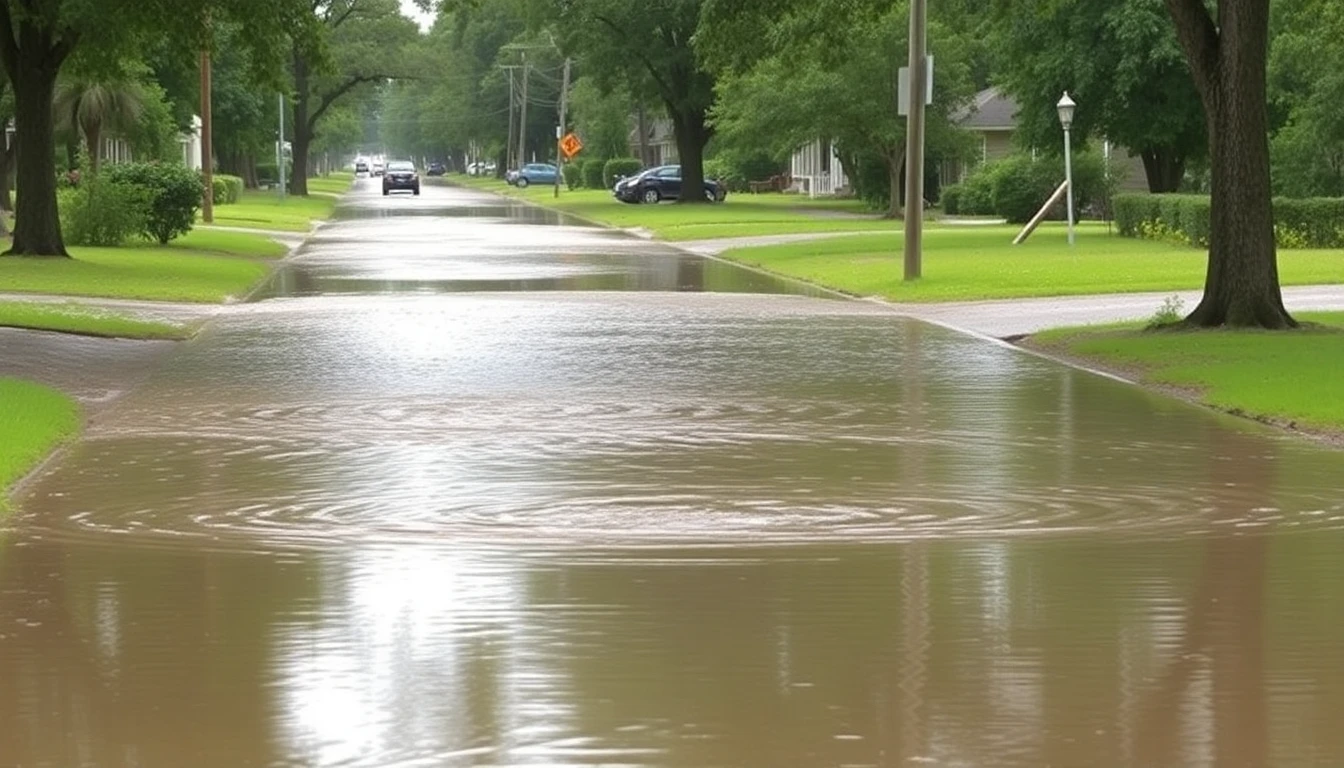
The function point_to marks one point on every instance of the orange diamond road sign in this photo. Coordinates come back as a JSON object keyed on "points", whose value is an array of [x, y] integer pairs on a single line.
{"points": [[570, 145]]}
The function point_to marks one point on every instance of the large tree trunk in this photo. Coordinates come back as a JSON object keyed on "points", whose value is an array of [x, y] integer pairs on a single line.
{"points": [[692, 135], [1164, 170], [1228, 60], [37, 225], [303, 130], [6, 175]]}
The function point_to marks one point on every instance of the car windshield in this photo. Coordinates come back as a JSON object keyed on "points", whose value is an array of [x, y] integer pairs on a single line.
{"points": [[400, 166]]}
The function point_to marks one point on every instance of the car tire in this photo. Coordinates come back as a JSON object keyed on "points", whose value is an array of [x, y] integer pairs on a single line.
{"points": [[386, 191], [650, 196], [522, 182], [416, 191]]}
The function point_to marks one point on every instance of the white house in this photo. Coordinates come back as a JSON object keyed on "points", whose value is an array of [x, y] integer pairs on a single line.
{"points": [[661, 139], [816, 170], [190, 142]]}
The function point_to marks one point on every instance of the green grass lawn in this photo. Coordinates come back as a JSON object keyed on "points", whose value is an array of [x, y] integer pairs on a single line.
{"points": [[159, 273], [33, 421], [87, 321], [980, 262], [336, 183], [738, 216], [232, 243], [262, 209], [1284, 376]]}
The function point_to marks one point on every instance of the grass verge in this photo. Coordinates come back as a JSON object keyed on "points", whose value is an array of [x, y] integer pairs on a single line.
{"points": [[85, 321], [33, 421], [152, 272], [964, 263], [739, 216], [1289, 379], [336, 183], [259, 209]]}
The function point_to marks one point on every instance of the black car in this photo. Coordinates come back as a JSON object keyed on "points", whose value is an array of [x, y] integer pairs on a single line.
{"points": [[662, 183], [401, 174], [436, 169]]}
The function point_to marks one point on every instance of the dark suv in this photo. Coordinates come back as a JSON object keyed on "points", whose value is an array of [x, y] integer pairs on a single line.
{"points": [[663, 183], [400, 174]]}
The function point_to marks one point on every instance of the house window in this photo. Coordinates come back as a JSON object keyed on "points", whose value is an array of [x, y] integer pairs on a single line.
{"points": [[826, 156]]}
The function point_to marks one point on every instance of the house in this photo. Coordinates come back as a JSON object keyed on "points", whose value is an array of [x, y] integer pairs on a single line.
{"points": [[661, 141], [992, 118], [816, 170], [190, 141]]}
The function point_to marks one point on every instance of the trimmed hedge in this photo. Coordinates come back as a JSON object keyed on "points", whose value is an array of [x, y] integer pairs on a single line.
{"points": [[619, 166], [225, 188], [1316, 222], [592, 173], [572, 175]]}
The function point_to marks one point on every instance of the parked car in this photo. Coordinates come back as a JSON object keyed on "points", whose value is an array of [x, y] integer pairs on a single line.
{"points": [[662, 183], [401, 175], [436, 169], [533, 173]]}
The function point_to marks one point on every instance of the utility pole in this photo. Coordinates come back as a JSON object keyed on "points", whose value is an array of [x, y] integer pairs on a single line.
{"points": [[914, 142], [280, 149], [560, 129], [207, 160], [508, 145], [522, 119]]}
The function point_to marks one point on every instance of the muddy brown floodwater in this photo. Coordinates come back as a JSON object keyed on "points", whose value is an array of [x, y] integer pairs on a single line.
{"points": [[475, 486]]}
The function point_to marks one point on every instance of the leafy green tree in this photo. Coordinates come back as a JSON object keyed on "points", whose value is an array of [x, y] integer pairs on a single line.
{"points": [[797, 95], [1120, 61], [1306, 87], [38, 37], [357, 45], [1227, 54], [651, 42], [602, 118]]}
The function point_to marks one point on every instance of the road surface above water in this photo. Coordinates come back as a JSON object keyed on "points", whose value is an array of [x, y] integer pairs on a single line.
{"points": [[471, 486]]}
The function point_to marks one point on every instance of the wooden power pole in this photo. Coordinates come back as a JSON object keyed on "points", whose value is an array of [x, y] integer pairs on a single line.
{"points": [[522, 120], [560, 128], [914, 142], [207, 156]]}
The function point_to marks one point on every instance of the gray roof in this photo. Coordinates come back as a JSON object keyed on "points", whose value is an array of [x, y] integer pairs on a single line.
{"points": [[990, 110]]}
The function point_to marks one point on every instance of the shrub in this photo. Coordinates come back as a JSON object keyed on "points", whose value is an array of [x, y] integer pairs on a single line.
{"points": [[728, 174], [572, 174], [616, 167], [227, 189], [1020, 187], [174, 192], [593, 174], [1318, 219], [1298, 223], [102, 212], [951, 199], [1169, 313]]}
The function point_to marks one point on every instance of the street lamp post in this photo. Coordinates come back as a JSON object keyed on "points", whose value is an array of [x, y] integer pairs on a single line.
{"points": [[1066, 106]]}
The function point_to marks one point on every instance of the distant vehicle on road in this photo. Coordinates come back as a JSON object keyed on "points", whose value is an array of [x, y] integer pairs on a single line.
{"points": [[436, 169], [532, 173], [401, 175], [662, 183], [361, 167], [377, 168]]}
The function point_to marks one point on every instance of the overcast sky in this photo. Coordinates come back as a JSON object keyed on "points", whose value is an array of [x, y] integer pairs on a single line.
{"points": [[409, 8]]}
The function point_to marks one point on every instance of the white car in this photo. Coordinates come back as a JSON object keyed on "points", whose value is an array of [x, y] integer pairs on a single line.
{"points": [[378, 167]]}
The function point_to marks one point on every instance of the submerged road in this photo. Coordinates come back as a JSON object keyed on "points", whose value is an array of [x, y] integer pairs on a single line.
{"points": [[472, 485]]}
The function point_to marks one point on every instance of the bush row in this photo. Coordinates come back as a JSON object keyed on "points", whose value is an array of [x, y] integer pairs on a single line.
{"points": [[157, 201], [226, 189], [1298, 222], [598, 174], [1018, 185]]}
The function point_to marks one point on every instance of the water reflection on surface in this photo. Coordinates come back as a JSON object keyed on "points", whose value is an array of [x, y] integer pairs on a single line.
{"points": [[657, 529]]}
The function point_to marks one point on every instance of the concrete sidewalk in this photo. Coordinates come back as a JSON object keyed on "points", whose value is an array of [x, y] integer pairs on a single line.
{"points": [[1014, 317]]}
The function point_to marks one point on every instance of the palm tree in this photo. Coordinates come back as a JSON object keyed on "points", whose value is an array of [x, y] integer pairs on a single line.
{"points": [[89, 105]]}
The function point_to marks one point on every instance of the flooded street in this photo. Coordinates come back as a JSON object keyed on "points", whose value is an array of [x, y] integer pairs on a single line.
{"points": [[470, 485]]}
